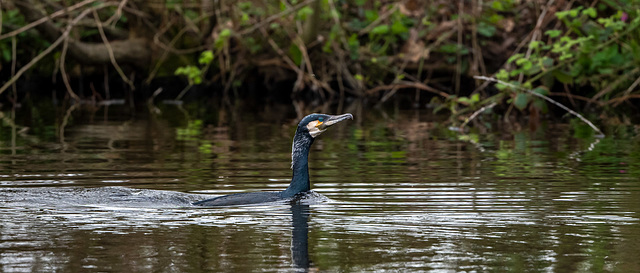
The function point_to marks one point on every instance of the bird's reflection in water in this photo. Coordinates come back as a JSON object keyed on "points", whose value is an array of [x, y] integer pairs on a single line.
{"points": [[299, 237]]}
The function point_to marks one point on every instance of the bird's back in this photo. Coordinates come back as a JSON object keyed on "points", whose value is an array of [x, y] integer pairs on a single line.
{"points": [[244, 198]]}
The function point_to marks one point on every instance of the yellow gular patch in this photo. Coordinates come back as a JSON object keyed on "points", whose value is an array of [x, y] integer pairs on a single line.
{"points": [[313, 128]]}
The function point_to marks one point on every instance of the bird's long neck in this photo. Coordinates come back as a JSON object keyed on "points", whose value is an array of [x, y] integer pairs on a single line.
{"points": [[299, 164]]}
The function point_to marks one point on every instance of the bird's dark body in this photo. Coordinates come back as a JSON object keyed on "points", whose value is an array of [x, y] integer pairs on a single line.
{"points": [[242, 198], [309, 127]]}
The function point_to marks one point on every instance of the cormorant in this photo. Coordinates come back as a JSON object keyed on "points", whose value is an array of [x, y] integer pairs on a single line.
{"points": [[308, 129]]}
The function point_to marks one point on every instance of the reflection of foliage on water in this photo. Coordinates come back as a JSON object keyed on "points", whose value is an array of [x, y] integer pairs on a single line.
{"points": [[191, 132]]}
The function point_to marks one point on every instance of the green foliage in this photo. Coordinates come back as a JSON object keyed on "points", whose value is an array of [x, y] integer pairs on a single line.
{"points": [[193, 74], [191, 131], [206, 57], [589, 50], [475, 98], [304, 12], [12, 19], [486, 29], [296, 54], [223, 38], [372, 43]]}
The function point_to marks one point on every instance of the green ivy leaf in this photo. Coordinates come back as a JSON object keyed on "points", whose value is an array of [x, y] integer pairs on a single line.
{"points": [[190, 14], [524, 63], [540, 104], [502, 75], [380, 30], [591, 12], [354, 45], [370, 15], [542, 90], [521, 101], [565, 56], [562, 76], [304, 12], [398, 28], [515, 57], [497, 5], [547, 62], [223, 37], [486, 30], [296, 54], [575, 12], [562, 14], [464, 100], [206, 57], [225, 33], [553, 33], [535, 44]]}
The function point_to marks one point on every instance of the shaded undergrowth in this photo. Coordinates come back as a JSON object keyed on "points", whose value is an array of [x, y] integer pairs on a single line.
{"points": [[583, 53]]}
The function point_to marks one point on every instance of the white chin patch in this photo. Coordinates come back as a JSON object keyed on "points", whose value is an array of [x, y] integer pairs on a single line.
{"points": [[313, 130]]}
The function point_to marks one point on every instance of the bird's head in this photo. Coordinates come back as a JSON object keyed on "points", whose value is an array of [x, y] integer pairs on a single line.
{"points": [[315, 124]]}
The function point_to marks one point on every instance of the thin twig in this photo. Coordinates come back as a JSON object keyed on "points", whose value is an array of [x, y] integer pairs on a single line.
{"points": [[572, 96], [65, 121], [545, 98], [416, 85], [305, 54], [46, 18], [152, 108], [341, 55], [110, 51], [292, 65], [156, 38], [476, 113], [1, 18], [63, 71], [377, 21], [116, 16], [621, 99], [536, 32], [628, 91], [459, 51], [184, 91], [274, 17], [615, 83], [14, 62]]}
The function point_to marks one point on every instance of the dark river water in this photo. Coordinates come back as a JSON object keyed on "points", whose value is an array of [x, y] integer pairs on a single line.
{"points": [[108, 189]]}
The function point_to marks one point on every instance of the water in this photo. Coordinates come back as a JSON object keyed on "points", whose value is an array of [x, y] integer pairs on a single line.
{"points": [[395, 191]]}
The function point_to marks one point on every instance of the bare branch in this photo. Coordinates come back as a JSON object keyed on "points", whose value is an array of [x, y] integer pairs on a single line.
{"points": [[111, 56], [133, 50], [116, 16], [399, 85], [476, 113], [63, 70], [275, 16], [55, 44], [46, 18], [545, 98]]}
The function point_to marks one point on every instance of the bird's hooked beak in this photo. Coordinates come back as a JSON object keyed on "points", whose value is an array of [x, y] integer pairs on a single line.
{"points": [[333, 120], [317, 127]]}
